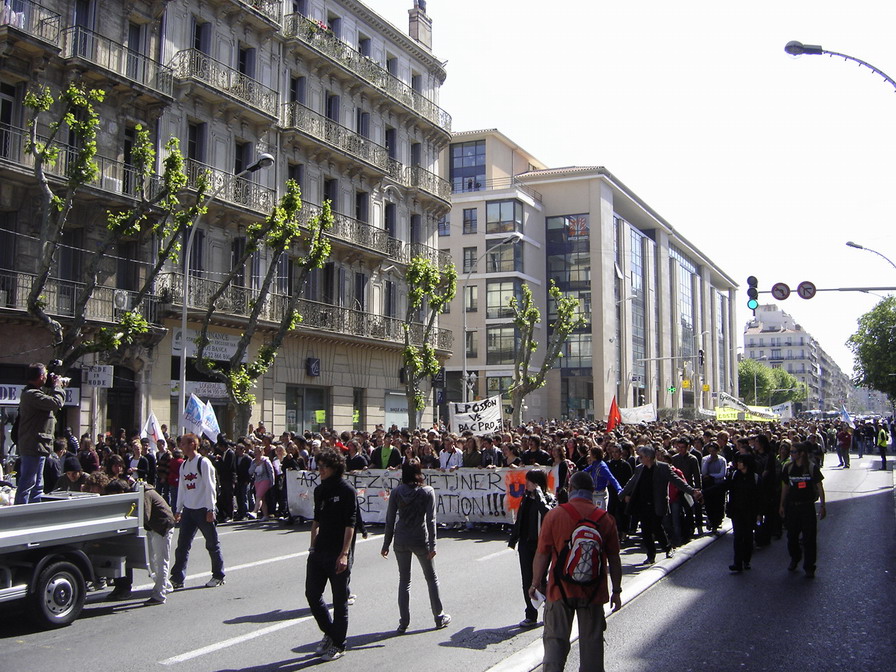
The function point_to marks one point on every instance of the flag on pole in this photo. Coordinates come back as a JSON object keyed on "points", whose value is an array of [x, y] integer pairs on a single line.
{"points": [[193, 414], [210, 426], [152, 430], [844, 415], [615, 417]]}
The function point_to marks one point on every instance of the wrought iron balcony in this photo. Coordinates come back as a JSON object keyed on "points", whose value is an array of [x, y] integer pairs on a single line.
{"points": [[403, 252], [112, 176], [322, 40], [236, 190], [420, 178], [102, 52], [105, 305], [195, 65], [238, 301], [351, 230], [462, 185], [326, 130], [32, 19], [269, 9]]}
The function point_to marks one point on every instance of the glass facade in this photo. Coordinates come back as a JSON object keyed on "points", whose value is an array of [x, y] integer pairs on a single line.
{"points": [[501, 344], [471, 220], [687, 270], [503, 258], [498, 294], [639, 315], [503, 216], [467, 166]]}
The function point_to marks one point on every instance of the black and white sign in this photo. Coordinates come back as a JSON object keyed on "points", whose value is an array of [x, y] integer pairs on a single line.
{"points": [[780, 291], [96, 376], [806, 289]]}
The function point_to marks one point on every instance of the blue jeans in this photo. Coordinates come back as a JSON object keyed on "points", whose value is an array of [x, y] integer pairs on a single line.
{"points": [[30, 480], [403, 556], [190, 521]]}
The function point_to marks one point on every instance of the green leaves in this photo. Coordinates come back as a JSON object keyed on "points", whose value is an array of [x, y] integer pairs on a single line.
{"points": [[874, 347]]}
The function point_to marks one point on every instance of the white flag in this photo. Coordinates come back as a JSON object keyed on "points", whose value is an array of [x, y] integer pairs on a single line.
{"points": [[210, 425], [193, 414], [152, 430]]}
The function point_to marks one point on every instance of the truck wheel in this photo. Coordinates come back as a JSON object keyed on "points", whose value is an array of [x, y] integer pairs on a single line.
{"points": [[59, 595]]}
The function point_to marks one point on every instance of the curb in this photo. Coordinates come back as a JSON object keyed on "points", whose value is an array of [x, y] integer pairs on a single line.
{"points": [[529, 659]]}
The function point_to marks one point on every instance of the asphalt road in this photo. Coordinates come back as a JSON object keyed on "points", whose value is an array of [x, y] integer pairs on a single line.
{"points": [[702, 618]]}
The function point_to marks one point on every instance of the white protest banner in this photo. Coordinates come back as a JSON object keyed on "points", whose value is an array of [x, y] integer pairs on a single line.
{"points": [[634, 415], [479, 417], [475, 495], [152, 430], [193, 414], [210, 426]]}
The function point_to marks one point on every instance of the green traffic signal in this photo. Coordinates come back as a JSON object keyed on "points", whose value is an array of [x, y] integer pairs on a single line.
{"points": [[752, 293], [673, 389], [752, 304]]}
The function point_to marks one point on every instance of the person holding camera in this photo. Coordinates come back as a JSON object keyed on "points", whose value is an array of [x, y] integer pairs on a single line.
{"points": [[42, 397]]}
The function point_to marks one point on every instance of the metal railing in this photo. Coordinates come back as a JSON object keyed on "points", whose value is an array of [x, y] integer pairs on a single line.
{"points": [[322, 40], [403, 252], [318, 126], [193, 64], [106, 304], [420, 178], [112, 176], [350, 230], [33, 19], [114, 57], [237, 190], [239, 301], [468, 185], [269, 9]]}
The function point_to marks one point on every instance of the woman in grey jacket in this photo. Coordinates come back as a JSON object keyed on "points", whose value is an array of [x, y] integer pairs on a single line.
{"points": [[415, 533]]}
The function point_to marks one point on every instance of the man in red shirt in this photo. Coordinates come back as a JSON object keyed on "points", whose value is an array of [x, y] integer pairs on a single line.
{"points": [[586, 603]]}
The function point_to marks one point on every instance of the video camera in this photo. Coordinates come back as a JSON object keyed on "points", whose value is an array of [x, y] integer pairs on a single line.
{"points": [[52, 367]]}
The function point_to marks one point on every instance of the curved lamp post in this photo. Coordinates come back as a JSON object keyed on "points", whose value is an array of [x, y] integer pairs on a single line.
{"points": [[795, 48], [849, 243], [263, 161], [509, 240]]}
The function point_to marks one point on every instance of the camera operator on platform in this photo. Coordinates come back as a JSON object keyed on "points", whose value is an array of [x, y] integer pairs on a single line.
{"points": [[42, 397]]}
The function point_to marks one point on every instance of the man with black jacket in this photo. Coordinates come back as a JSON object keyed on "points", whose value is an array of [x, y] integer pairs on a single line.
{"points": [[226, 466], [36, 426], [328, 558]]}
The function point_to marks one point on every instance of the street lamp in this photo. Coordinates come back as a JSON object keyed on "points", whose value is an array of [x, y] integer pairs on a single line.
{"points": [[795, 48], [755, 385], [263, 161], [849, 243], [512, 239]]}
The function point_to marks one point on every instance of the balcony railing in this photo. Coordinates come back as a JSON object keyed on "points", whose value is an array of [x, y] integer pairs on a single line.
{"points": [[403, 252], [114, 57], [239, 301], [193, 64], [269, 9], [325, 42], [237, 190], [112, 176], [462, 186], [351, 230], [33, 19], [330, 132], [106, 304], [420, 178]]}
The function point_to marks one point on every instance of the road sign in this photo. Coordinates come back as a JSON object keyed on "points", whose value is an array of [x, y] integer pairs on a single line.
{"points": [[806, 289], [780, 291], [705, 387], [96, 376]]}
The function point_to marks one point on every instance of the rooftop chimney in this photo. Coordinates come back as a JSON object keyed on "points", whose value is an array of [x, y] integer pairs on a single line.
{"points": [[419, 24]]}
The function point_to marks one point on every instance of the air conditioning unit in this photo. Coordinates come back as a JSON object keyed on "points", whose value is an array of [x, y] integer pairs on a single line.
{"points": [[121, 299]]}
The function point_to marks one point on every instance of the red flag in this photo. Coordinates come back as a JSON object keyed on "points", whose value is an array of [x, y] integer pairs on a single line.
{"points": [[615, 417]]}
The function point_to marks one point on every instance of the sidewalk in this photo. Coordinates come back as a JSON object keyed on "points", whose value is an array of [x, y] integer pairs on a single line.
{"points": [[636, 578]]}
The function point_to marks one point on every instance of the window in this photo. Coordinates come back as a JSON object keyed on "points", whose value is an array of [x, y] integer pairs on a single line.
{"points": [[503, 257], [467, 166], [300, 7], [499, 385], [196, 134], [332, 111], [133, 63], [416, 229], [331, 193], [444, 225], [245, 62], [390, 307], [362, 206], [362, 123], [296, 173], [471, 217], [297, 89], [391, 142], [335, 24], [129, 176], [202, 35], [7, 246], [391, 220], [568, 228], [501, 344], [416, 153], [284, 274], [498, 294], [577, 352], [471, 298], [469, 264], [364, 45], [417, 82], [503, 216], [392, 65], [360, 292], [237, 250], [472, 343], [127, 275]]}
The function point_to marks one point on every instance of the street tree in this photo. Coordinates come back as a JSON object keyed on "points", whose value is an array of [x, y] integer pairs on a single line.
{"points": [[786, 387], [754, 380], [430, 290], [525, 317], [281, 235], [157, 212], [874, 348]]}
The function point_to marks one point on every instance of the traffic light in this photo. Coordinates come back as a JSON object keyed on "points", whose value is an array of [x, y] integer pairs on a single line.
{"points": [[700, 357], [672, 389], [752, 293]]}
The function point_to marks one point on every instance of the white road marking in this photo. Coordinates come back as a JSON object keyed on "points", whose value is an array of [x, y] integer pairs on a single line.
{"points": [[211, 648], [492, 556]]}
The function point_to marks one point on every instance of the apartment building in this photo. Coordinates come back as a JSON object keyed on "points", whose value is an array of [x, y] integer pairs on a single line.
{"points": [[345, 102], [658, 318], [774, 338]]}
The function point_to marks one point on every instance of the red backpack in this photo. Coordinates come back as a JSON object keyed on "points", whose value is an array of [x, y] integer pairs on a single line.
{"points": [[580, 561]]}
